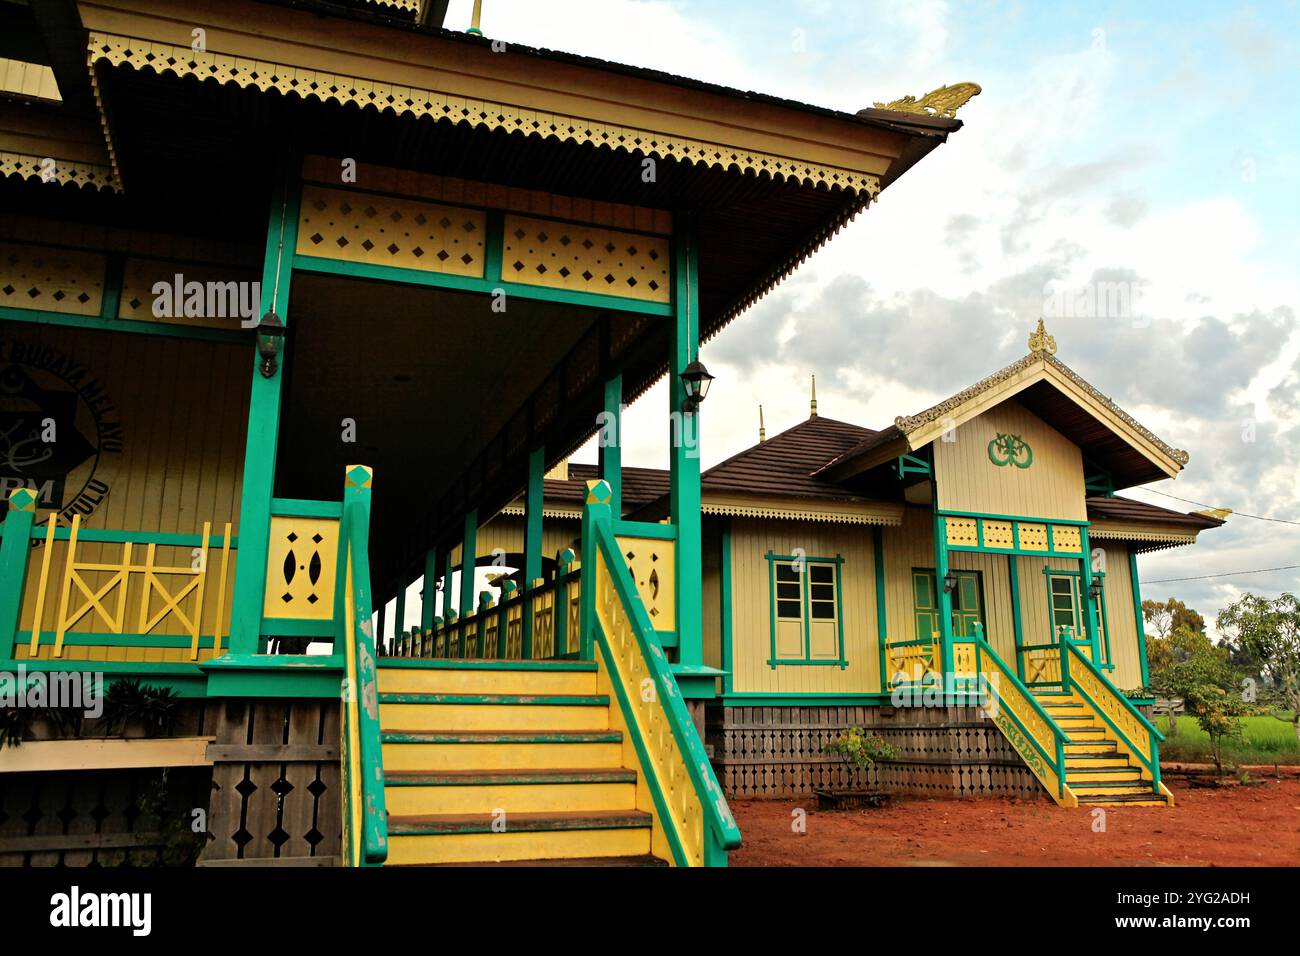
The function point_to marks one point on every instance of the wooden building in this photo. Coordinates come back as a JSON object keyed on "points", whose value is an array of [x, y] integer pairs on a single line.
{"points": [[846, 569], [297, 295]]}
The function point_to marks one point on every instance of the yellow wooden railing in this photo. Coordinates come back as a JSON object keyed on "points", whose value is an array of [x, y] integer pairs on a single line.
{"points": [[90, 594], [1019, 716], [365, 824], [690, 811], [479, 635], [914, 661]]}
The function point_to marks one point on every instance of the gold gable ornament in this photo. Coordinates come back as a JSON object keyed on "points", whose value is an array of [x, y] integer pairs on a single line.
{"points": [[945, 101], [1040, 341]]}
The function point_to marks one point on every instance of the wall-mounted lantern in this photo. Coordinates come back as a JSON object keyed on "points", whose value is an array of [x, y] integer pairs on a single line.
{"points": [[1094, 589], [270, 339], [696, 378], [950, 582]]}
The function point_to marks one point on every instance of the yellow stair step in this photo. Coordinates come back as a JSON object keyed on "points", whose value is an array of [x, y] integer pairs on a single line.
{"points": [[501, 749], [398, 676], [469, 838], [411, 793], [415, 712]]}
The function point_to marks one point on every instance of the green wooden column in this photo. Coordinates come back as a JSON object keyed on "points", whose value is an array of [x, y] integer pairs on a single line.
{"points": [[1139, 618], [263, 425], [684, 468], [15, 548], [448, 599], [430, 599], [468, 559], [1085, 581], [399, 612], [534, 495], [945, 599], [610, 449]]}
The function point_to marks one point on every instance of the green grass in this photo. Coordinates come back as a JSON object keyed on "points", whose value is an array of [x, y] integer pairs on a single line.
{"points": [[1265, 740]]}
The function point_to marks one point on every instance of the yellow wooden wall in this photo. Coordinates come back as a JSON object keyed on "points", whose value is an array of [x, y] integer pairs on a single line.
{"points": [[1051, 487], [751, 621], [1125, 652], [183, 406]]}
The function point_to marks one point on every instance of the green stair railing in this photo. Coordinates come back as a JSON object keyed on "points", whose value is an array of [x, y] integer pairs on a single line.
{"points": [[365, 817], [696, 820]]}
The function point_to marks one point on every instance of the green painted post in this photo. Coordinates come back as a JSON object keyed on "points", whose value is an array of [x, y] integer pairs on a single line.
{"points": [[508, 589], [15, 547], [534, 496], [726, 611], [429, 600], [263, 426], [468, 562], [945, 598], [381, 647], [882, 618], [684, 470], [399, 614], [1085, 578], [448, 602], [595, 511], [563, 563], [1017, 626], [610, 445], [1139, 619]]}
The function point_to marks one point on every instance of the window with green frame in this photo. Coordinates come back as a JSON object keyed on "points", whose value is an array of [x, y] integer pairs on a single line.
{"points": [[1065, 606], [806, 610]]}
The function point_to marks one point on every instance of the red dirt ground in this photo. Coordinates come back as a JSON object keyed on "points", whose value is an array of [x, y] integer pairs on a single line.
{"points": [[1233, 826]]}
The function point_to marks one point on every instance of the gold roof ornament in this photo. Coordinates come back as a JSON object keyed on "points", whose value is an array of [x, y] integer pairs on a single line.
{"points": [[1220, 513], [762, 432], [945, 101], [1040, 341], [813, 406]]}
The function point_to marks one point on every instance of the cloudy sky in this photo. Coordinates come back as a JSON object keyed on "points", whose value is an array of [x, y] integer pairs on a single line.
{"points": [[1155, 144]]}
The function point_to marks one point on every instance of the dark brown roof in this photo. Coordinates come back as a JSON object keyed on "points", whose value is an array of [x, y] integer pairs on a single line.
{"points": [[784, 464], [1126, 509]]}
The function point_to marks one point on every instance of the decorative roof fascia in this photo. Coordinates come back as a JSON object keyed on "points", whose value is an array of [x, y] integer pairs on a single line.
{"points": [[909, 424], [307, 83]]}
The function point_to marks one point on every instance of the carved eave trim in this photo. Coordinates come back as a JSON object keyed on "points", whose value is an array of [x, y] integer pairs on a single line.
{"points": [[927, 425], [548, 511], [883, 513], [308, 83], [1169, 536], [76, 172]]}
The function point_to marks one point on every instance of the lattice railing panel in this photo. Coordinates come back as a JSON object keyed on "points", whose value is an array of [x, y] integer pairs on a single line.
{"points": [[388, 231], [51, 279], [562, 255]]}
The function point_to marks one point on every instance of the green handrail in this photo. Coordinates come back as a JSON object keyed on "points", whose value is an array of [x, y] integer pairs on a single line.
{"points": [[721, 824], [1152, 759], [363, 681], [982, 646]]}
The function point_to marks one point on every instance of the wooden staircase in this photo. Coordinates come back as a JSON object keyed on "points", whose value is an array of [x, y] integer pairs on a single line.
{"points": [[513, 762], [1097, 772]]}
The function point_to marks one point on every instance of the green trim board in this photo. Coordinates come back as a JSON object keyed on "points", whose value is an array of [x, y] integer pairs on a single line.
{"points": [[882, 618], [684, 445], [306, 508], [186, 679], [836, 700], [100, 324], [98, 639], [107, 536], [726, 613], [264, 421], [809, 577], [1139, 619], [609, 441], [401, 276]]}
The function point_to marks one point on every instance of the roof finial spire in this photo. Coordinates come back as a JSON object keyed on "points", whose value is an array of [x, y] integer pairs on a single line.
{"points": [[813, 404], [762, 432], [1040, 341]]}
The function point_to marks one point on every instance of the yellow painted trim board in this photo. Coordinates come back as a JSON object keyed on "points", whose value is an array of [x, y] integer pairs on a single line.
{"points": [[106, 753], [519, 845]]}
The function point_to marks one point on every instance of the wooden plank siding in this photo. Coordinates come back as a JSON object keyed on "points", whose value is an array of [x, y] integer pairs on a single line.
{"points": [[183, 406], [751, 614], [1051, 487]]}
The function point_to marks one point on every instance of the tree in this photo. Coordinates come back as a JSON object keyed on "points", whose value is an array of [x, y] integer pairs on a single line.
{"points": [[1199, 672], [1267, 633], [1167, 617]]}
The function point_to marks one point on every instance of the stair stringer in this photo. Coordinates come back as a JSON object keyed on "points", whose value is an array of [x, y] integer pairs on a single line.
{"points": [[648, 799], [1056, 788], [1122, 745]]}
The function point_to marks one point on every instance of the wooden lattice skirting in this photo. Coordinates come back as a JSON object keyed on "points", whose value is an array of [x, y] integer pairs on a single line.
{"points": [[942, 751]]}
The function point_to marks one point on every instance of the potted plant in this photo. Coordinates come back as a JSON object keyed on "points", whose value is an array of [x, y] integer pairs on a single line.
{"points": [[859, 749], [135, 710]]}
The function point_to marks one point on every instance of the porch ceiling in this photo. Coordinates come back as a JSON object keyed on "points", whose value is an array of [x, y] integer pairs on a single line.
{"points": [[429, 376]]}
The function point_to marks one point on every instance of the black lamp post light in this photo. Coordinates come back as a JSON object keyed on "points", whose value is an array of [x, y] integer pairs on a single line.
{"points": [[270, 340], [696, 378]]}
